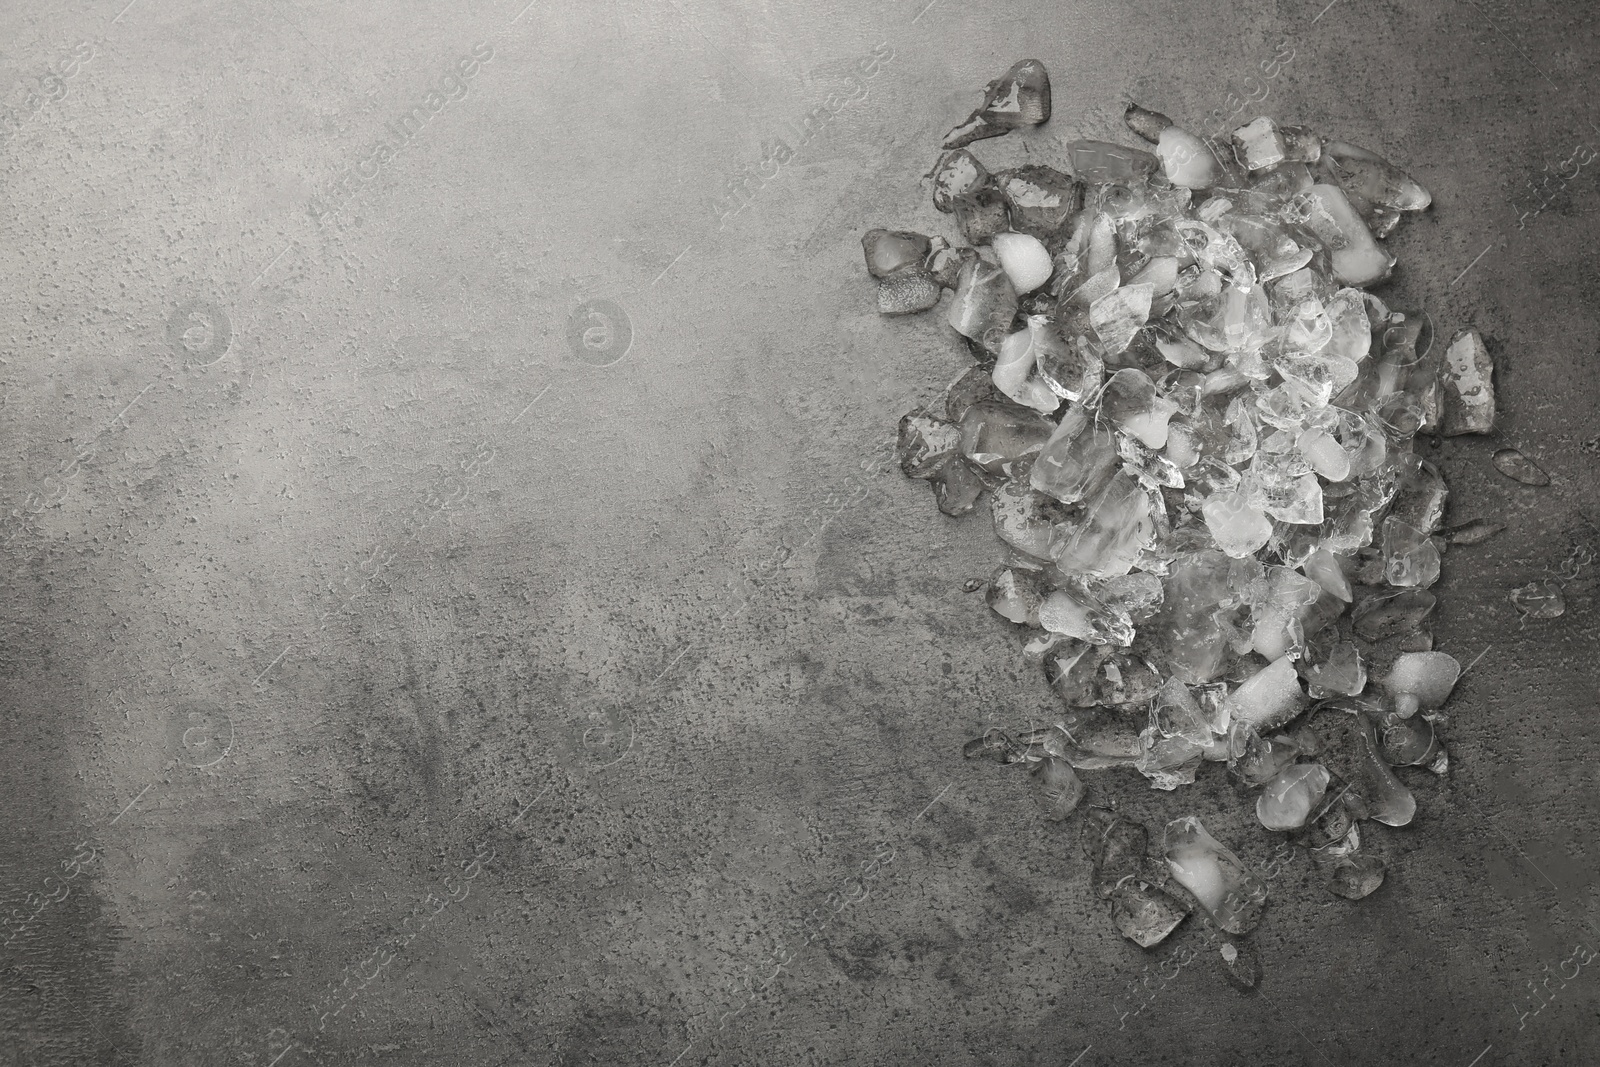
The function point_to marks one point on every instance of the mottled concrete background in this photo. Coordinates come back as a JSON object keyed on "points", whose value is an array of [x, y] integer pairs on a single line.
{"points": [[325, 555]]}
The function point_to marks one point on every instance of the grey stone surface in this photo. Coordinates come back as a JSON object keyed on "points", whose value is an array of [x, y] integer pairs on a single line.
{"points": [[296, 635]]}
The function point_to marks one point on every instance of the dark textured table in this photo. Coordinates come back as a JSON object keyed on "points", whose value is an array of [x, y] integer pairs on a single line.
{"points": [[461, 608]]}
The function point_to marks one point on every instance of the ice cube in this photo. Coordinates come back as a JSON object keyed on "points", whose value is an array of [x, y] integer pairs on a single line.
{"points": [[1186, 160], [888, 251], [1117, 528], [1269, 698], [1240, 530], [1288, 800], [1014, 368], [1469, 387], [1231, 893], [926, 444], [984, 303], [958, 178], [1145, 914], [1078, 460], [1259, 144], [1019, 97], [1025, 260], [1059, 790]]}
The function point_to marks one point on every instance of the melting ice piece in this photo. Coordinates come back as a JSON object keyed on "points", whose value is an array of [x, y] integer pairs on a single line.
{"points": [[984, 303], [1039, 200], [1514, 464], [1356, 876], [1539, 600], [1374, 793], [1357, 258], [958, 178], [907, 291], [1409, 742], [1231, 894], [1144, 913], [1145, 123], [1269, 698], [956, 488], [1186, 160], [1025, 260], [926, 444], [1469, 387], [1280, 615], [1289, 799], [1259, 144], [1023, 517], [1326, 568], [1473, 532], [1239, 529], [1102, 162], [983, 216], [995, 435], [1074, 368], [1078, 460], [1117, 316], [1168, 761], [1060, 789], [1241, 965], [1117, 850], [1185, 637], [1019, 97], [1015, 595], [1340, 673], [1014, 367], [1079, 616], [1421, 681], [1392, 614], [1374, 179], [1130, 400], [1117, 529], [888, 251], [1410, 556]]}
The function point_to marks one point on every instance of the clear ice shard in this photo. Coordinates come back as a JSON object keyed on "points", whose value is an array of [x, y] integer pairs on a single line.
{"points": [[1370, 178], [1014, 368], [1513, 464], [1259, 144], [1025, 260], [1374, 791], [1392, 614], [1078, 460], [1289, 799], [1356, 876], [1059, 790], [958, 178], [1144, 913], [984, 304], [888, 251], [1186, 160], [1131, 402], [1231, 893], [1469, 386], [1117, 316], [1357, 258], [1240, 530], [1420, 681], [1117, 529], [1102, 162], [1019, 97], [1539, 600], [995, 435], [1269, 698]]}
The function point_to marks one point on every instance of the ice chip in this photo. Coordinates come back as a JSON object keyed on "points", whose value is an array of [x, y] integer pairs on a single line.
{"points": [[1131, 402], [1025, 260], [1145, 123], [995, 435], [1373, 179], [1392, 614], [1059, 789], [1144, 913], [1288, 800], [1539, 600], [1515, 465], [1269, 698], [1014, 595], [1117, 528], [1186, 160], [1232, 894], [1019, 97], [1014, 367], [1078, 460], [1421, 681], [958, 178], [1039, 200], [984, 303], [1117, 316], [1357, 258], [1469, 386], [1259, 144], [1239, 529], [1339, 673], [888, 251], [1355, 877], [1101, 162], [926, 444]]}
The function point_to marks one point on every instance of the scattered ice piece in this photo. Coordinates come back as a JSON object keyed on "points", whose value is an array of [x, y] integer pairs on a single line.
{"points": [[1341, 673], [907, 291], [1231, 893], [1269, 698], [1357, 258], [984, 304], [995, 744], [1117, 849], [1060, 789], [982, 216], [1039, 200], [1117, 528], [1240, 530], [1259, 144], [1186, 160], [1104, 162], [1515, 465], [1019, 97], [1081, 617], [1117, 316], [1147, 124], [1130, 400], [1015, 595], [1473, 532], [1357, 876], [1421, 681], [1078, 460], [1539, 600], [996, 435], [1469, 386], [1392, 614], [956, 488], [1023, 518], [1025, 260], [1409, 742], [1288, 800], [888, 251], [958, 178], [1374, 179], [1374, 793], [1145, 914], [1014, 367], [926, 444], [1241, 965]]}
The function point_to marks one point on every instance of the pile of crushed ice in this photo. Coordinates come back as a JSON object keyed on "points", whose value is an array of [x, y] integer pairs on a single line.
{"points": [[1195, 426]]}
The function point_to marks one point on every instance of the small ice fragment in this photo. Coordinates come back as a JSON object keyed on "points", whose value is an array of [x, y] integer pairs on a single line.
{"points": [[1258, 144], [1374, 791], [1080, 617], [1186, 160], [1040, 200], [1060, 789], [995, 435], [1421, 681], [956, 488], [1117, 851], [1269, 698], [1078, 460], [1117, 316], [1101, 162], [1014, 595], [1410, 556], [984, 303], [1417, 641], [1469, 387], [1341, 673], [1144, 913], [1231, 894], [926, 444], [1374, 179], [1241, 965], [958, 178], [888, 251], [1130, 400], [1239, 529], [1117, 529], [1014, 368], [1324, 454], [1409, 742], [1392, 614], [1357, 876], [1327, 570], [1539, 600], [1357, 258], [1019, 97], [1515, 465], [1288, 800], [907, 291], [1022, 517], [982, 216], [1473, 532], [1302, 143], [1024, 259], [1145, 123]]}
